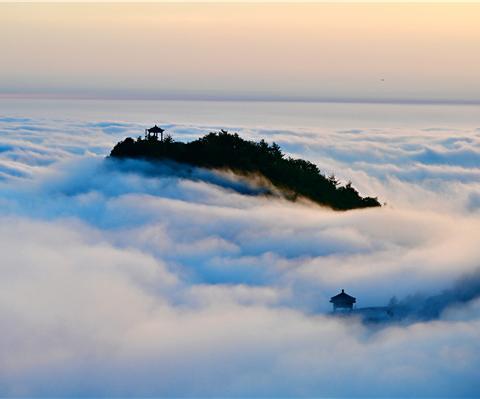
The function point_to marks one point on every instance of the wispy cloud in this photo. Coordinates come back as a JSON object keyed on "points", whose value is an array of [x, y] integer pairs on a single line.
{"points": [[128, 280]]}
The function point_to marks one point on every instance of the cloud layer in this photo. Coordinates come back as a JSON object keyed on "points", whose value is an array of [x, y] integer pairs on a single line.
{"points": [[129, 280]]}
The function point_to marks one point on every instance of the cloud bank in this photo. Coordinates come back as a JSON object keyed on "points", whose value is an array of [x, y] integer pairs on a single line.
{"points": [[123, 280]]}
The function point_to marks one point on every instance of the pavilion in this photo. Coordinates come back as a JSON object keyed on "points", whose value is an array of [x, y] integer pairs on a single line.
{"points": [[343, 301], [152, 133]]}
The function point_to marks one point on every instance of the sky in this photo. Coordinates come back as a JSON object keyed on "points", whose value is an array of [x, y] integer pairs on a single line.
{"points": [[133, 279], [394, 52]]}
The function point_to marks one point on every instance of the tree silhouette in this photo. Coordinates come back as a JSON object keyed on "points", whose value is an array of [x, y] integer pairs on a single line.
{"points": [[222, 150]]}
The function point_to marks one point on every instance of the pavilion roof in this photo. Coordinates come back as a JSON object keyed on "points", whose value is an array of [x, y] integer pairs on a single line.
{"points": [[343, 297], [155, 129]]}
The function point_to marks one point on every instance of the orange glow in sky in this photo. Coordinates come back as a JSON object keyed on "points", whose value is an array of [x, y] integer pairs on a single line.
{"points": [[293, 50]]}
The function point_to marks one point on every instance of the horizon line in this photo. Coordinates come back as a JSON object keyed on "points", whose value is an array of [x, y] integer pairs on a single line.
{"points": [[243, 98]]}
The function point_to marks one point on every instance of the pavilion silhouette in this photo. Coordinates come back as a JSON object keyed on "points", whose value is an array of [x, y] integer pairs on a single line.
{"points": [[152, 133], [343, 301]]}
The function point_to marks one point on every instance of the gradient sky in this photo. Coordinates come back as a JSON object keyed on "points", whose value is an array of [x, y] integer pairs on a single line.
{"points": [[309, 51]]}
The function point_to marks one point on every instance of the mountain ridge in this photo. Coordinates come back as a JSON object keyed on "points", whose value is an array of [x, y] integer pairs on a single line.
{"points": [[223, 150]]}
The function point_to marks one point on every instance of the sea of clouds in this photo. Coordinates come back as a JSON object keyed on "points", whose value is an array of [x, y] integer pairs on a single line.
{"points": [[132, 279]]}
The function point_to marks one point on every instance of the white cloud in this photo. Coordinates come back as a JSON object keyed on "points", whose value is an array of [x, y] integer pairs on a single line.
{"points": [[123, 280]]}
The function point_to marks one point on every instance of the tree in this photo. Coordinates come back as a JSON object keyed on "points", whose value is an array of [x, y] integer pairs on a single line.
{"points": [[294, 177]]}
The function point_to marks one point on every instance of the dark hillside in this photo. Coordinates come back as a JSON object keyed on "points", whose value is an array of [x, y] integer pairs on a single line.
{"points": [[223, 150]]}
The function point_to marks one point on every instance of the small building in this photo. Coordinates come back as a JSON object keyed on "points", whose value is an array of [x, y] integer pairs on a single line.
{"points": [[342, 301], [152, 133]]}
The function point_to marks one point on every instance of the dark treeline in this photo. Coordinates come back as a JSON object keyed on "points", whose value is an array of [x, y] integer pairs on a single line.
{"points": [[222, 150]]}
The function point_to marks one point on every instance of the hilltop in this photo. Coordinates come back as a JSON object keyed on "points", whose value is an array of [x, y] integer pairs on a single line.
{"points": [[223, 150]]}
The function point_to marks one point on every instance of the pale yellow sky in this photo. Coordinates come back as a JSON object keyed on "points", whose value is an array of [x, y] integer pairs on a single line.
{"points": [[429, 51]]}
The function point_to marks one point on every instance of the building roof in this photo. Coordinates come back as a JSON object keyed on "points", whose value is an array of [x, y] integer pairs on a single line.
{"points": [[155, 129], [343, 297]]}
